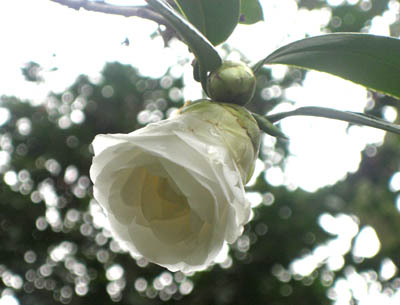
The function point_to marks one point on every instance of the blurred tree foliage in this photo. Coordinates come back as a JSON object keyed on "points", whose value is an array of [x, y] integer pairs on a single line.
{"points": [[349, 16], [55, 248]]}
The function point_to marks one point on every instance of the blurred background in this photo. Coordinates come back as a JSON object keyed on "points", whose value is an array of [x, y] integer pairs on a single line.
{"points": [[325, 224]]}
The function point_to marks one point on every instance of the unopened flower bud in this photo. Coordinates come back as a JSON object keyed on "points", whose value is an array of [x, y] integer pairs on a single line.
{"points": [[233, 82]]}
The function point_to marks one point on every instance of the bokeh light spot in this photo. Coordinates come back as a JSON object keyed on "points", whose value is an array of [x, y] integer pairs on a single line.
{"points": [[367, 243]]}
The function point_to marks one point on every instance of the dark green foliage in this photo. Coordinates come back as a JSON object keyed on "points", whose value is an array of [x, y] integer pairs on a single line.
{"points": [[283, 229], [352, 18], [31, 72], [45, 153], [347, 17]]}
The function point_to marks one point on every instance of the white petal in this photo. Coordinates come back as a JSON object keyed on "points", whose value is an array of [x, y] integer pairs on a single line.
{"points": [[172, 191], [103, 141]]}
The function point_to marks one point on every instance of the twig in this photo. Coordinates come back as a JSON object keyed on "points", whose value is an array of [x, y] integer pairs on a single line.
{"points": [[128, 11]]}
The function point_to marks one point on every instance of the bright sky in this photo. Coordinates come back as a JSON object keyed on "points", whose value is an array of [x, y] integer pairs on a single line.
{"points": [[323, 152]]}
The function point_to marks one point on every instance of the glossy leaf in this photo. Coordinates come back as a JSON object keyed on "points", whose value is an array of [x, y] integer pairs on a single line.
{"points": [[200, 75], [216, 19], [250, 12], [204, 51], [368, 60], [265, 125], [347, 116]]}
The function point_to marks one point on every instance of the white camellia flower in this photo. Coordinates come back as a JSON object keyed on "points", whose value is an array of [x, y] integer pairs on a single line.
{"points": [[174, 190]]}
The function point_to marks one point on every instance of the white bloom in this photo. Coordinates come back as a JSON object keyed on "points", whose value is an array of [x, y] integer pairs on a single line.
{"points": [[173, 190]]}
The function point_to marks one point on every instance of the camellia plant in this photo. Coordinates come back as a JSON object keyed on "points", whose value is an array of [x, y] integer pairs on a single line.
{"points": [[174, 190]]}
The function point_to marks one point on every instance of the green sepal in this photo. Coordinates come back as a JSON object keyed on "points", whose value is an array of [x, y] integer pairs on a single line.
{"points": [[237, 127], [247, 121]]}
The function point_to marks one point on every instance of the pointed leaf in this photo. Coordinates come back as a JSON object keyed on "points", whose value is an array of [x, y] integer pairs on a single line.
{"points": [[265, 125], [368, 60], [204, 51], [347, 116], [193, 12], [250, 12], [216, 19]]}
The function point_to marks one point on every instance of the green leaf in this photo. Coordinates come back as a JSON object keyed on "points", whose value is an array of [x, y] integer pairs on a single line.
{"points": [[265, 125], [347, 116], [250, 12], [216, 19], [205, 53], [200, 75], [368, 60]]}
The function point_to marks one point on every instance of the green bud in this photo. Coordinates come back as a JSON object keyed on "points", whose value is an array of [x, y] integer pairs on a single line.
{"points": [[232, 82]]}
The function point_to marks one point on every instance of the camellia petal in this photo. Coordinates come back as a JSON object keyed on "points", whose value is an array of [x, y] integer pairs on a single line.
{"points": [[174, 190]]}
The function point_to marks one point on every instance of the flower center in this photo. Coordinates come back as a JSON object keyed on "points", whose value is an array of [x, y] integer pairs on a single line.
{"points": [[161, 199], [164, 207]]}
